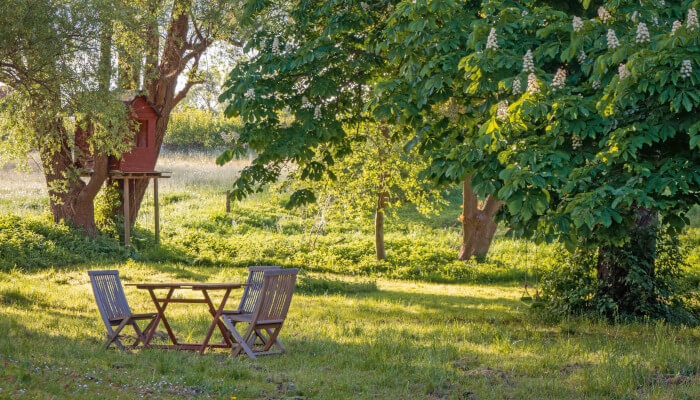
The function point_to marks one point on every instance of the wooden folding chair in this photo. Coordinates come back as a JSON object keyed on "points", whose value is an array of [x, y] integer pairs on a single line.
{"points": [[252, 292], [114, 309], [268, 315]]}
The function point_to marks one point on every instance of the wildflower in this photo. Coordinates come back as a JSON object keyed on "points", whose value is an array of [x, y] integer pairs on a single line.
{"points": [[676, 25], [642, 33], [276, 46], [364, 5], [577, 24], [581, 57], [317, 112], [532, 85], [576, 141], [524, 13], [622, 70], [686, 69], [603, 14], [691, 23], [517, 87], [491, 43], [613, 43], [305, 102], [502, 111], [595, 84], [249, 94], [528, 62], [559, 80]]}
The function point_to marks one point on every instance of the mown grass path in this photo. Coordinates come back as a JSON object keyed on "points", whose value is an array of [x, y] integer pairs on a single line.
{"points": [[402, 340]]}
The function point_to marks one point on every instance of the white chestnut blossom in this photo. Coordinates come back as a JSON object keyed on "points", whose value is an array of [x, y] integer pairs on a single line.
{"points": [[524, 13], [581, 57], [249, 94], [491, 42], [288, 47], [305, 102], [577, 24], [613, 43], [276, 46], [528, 62], [655, 20], [634, 16], [517, 87], [576, 141], [603, 14], [595, 84], [622, 70], [676, 25], [559, 80], [691, 23], [364, 6], [686, 69], [532, 85], [642, 33], [317, 112], [502, 111]]}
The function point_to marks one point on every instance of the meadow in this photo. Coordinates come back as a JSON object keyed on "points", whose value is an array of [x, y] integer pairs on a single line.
{"points": [[419, 325]]}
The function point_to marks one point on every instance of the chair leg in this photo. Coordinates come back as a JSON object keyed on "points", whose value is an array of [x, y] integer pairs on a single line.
{"points": [[241, 345], [146, 330], [114, 337], [277, 341], [273, 338]]}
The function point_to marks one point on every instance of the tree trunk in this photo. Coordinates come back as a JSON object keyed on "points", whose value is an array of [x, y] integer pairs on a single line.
{"points": [[161, 85], [626, 273], [379, 227], [478, 226], [70, 198]]}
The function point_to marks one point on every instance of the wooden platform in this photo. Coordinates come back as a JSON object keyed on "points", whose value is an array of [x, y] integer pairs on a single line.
{"points": [[127, 176]]}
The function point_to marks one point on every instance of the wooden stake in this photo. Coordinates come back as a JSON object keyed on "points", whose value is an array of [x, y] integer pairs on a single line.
{"points": [[127, 225], [156, 211]]}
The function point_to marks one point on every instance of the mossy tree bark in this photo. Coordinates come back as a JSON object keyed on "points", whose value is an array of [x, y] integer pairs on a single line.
{"points": [[626, 273]]}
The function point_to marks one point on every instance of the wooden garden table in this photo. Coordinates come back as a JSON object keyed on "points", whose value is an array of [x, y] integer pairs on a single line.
{"points": [[161, 304]]}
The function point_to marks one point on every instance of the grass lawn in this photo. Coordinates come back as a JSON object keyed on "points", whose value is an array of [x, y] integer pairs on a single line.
{"points": [[446, 330], [404, 340]]}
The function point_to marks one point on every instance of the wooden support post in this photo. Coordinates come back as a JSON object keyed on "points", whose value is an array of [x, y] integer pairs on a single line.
{"points": [[156, 211], [228, 201], [127, 224]]}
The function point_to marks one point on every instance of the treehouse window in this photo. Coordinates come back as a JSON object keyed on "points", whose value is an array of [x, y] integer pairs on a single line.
{"points": [[142, 134]]}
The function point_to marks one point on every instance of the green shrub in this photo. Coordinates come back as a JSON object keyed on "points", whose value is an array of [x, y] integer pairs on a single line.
{"points": [[36, 243], [190, 127], [571, 287]]}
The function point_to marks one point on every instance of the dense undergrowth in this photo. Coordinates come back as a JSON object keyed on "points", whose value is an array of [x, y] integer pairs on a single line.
{"points": [[260, 231]]}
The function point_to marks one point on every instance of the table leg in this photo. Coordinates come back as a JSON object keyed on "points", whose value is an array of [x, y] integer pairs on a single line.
{"points": [[161, 316], [216, 313]]}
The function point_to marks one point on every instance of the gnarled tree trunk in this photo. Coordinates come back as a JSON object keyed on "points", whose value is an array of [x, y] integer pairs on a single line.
{"points": [[478, 226], [70, 198], [160, 82]]}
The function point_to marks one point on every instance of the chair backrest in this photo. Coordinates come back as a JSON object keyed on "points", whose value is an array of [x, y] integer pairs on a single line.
{"points": [[275, 295], [109, 295], [252, 292]]}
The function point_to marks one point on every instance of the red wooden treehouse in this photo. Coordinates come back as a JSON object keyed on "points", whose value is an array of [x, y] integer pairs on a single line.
{"points": [[138, 163], [144, 153]]}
